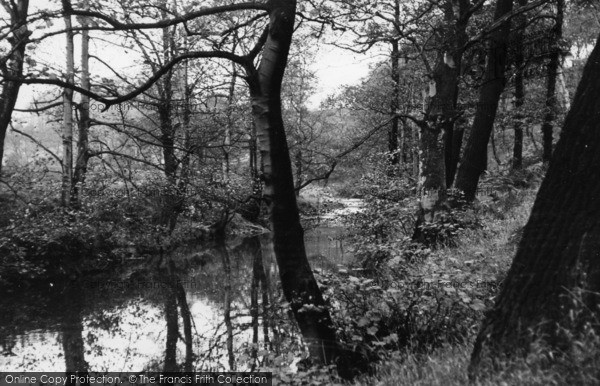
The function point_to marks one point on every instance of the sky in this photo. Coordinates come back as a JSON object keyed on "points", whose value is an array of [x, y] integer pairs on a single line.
{"points": [[334, 67]]}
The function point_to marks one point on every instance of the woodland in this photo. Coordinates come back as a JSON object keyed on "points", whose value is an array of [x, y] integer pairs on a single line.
{"points": [[179, 193]]}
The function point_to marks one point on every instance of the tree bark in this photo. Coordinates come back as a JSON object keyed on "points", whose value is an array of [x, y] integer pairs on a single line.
{"points": [[437, 144], [67, 133], [83, 151], [395, 102], [552, 76], [556, 271], [519, 91], [12, 66], [475, 156], [298, 283]]}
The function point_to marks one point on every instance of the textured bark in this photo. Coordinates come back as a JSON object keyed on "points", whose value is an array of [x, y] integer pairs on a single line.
{"points": [[67, 131], [298, 283], [558, 257], [439, 148], [474, 160], [83, 151], [552, 76], [517, 162], [13, 67]]}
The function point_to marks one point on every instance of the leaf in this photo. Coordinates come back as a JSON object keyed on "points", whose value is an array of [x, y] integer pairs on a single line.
{"points": [[363, 322]]}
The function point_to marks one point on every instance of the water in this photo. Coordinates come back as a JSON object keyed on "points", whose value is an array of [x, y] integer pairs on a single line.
{"points": [[218, 308]]}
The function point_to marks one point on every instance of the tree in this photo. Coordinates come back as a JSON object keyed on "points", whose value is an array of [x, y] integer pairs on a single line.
{"points": [[83, 151], [11, 65], [519, 94], [553, 68], [67, 132], [474, 160], [298, 283], [556, 270]]}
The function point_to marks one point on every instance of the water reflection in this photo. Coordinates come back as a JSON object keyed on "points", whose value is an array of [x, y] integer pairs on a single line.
{"points": [[215, 308]]}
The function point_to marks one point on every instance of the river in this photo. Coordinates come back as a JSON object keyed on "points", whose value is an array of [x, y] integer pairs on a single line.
{"points": [[218, 308]]}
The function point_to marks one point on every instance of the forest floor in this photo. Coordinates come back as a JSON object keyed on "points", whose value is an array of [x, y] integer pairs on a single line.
{"points": [[486, 253]]}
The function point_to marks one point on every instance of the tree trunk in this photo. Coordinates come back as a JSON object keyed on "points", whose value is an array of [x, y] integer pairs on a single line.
{"points": [[438, 147], [475, 156], [519, 91], [12, 66], [67, 134], [553, 67], [298, 283], [556, 268], [395, 102], [83, 152], [298, 164], [562, 86]]}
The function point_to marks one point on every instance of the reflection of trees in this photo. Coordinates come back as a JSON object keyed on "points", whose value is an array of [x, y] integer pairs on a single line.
{"points": [[259, 278], [72, 332], [227, 303], [176, 296]]}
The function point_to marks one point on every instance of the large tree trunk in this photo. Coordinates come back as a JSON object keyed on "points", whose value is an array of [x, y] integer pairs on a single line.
{"points": [[474, 160], [298, 283], [12, 66], [437, 145], [83, 152], [556, 268], [67, 133], [553, 67]]}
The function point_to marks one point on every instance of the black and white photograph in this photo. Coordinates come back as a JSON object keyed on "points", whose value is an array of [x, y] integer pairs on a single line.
{"points": [[300, 192]]}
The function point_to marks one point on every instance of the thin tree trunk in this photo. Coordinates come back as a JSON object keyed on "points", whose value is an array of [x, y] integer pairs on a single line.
{"points": [[67, 132], [553, 67], [564, 91], [395, 102], [298, 164], [12, 66], [83, 152], [554, 279], [517, 162], [475, 156], [229, 126]]}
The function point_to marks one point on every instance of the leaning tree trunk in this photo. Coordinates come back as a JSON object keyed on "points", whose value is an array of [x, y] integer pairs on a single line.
{"points": [[298, 283], [556, 269], [67, 134], [553, 67], [12, 66], [474, 160]]}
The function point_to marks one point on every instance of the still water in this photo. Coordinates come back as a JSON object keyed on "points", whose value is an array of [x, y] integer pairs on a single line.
{"points": [[211, 308]]}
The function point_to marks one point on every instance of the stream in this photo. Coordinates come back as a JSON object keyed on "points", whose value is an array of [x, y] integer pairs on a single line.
{"points": [[216, 309]]}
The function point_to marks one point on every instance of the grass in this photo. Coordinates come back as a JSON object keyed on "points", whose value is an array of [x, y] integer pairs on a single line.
{"points": [[488, 252]]}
